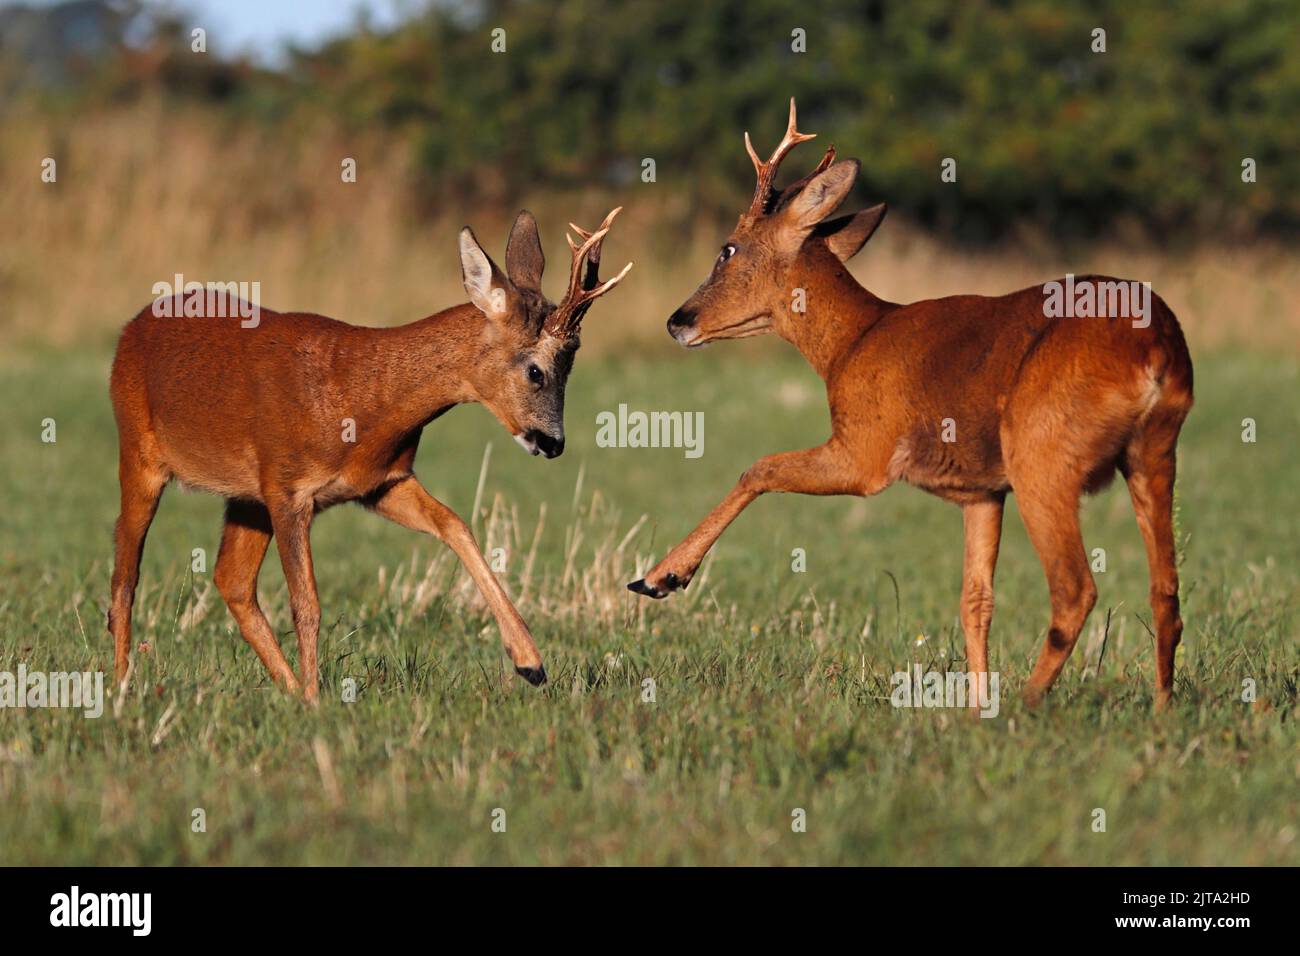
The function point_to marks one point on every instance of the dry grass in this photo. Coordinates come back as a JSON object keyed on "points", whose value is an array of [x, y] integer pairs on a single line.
{"points": [[146, 192], [588, 587]]}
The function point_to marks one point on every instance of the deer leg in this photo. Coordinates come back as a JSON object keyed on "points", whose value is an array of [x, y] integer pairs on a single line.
{"points": [[408, 503], [983, 526], [1051, 517], [1149, 466], [142, 487], [244, 540], [824, 470], [291, 525]]}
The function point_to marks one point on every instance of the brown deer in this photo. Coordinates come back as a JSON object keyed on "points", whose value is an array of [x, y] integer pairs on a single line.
{"points": [[966, 397], [300, 412]]}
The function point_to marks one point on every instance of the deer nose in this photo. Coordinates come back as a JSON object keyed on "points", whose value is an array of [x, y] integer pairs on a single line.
{"points": [[551, 447], [683, 318]]}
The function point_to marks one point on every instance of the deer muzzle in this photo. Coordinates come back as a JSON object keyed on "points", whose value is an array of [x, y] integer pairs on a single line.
{"points": [[681, 326], [537, 442]]}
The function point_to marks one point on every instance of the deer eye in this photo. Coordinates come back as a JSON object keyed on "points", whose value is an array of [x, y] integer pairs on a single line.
{"points": [[727, 252], [535, 375]]}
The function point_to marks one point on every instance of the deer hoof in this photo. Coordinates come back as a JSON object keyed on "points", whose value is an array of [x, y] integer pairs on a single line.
{"points": [[639, 586], [534, 675]]}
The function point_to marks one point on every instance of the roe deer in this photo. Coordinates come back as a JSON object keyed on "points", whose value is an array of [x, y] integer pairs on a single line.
{"points": [[1045, 407], [262, 416]]}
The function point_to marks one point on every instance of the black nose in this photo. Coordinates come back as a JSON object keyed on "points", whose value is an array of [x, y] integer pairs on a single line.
{"points": [[683, 318], [551, 447]]}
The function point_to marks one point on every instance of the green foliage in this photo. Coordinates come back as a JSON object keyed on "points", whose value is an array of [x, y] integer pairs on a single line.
{"points": [[1149, 134], [1043, 129]]}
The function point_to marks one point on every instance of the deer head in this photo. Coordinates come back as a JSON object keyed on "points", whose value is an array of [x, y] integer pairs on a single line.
{"points": [[528, 342], [775, 245]]}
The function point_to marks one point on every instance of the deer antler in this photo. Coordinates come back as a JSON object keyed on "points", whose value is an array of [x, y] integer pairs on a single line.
{"points": [[584, 279], [767, 171]]}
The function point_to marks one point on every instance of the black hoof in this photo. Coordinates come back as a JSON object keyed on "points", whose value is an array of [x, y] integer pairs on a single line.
{"points": [[640, 587], [534, 675]]}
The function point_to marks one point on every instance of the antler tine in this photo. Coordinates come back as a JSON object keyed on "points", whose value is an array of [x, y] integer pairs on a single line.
{"points": [[608, 284], [767, 171], [577, 273], [604, 225], [584, 279], [593, 257], [753, 155]]}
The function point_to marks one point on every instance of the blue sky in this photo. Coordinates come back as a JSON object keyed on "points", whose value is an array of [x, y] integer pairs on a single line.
{"points": [[261, 26]]}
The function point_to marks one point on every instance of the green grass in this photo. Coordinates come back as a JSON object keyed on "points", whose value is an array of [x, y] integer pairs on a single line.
{"points": [[771, 686]]}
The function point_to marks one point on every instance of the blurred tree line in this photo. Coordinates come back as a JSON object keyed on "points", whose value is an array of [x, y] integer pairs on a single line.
{"points": [[1046, 130]]}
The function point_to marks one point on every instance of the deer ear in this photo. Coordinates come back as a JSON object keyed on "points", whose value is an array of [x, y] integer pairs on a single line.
{"points": [[524, 259], [847, 235], [483, 280], [822, 196]]}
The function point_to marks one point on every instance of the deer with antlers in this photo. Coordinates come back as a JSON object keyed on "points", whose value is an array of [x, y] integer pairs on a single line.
{"points": [[302, 412], [966, 397]]}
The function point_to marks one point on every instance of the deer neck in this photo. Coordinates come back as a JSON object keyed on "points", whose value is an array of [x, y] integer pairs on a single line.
{"points": [[837, 310], [419, 370]]}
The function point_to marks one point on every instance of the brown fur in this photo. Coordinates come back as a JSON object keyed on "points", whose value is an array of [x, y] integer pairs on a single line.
{"points": [[258, 416], [1046, 407]]}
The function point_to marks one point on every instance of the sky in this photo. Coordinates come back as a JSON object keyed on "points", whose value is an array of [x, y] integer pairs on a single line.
{"points": [[261, 26]]}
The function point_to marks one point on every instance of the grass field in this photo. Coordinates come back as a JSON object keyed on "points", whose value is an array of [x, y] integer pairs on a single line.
{"points": [[771, 687]]}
